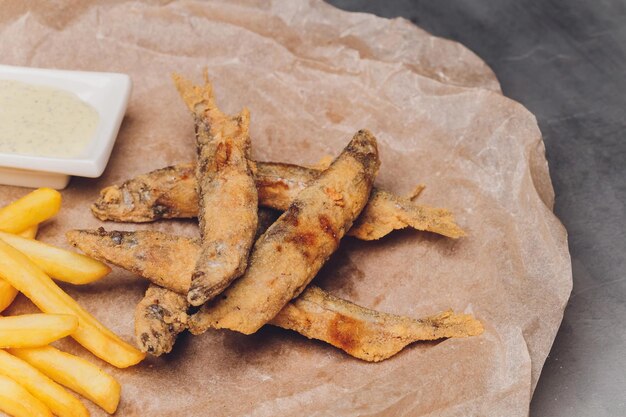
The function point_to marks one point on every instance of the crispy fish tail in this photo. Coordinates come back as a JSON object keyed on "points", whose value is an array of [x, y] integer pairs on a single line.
{"points": [[387, 212], [363, 333], [225, 185]]}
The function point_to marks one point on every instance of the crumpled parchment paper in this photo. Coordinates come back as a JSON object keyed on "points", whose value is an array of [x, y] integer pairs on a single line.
{"points": [[311, 76]]}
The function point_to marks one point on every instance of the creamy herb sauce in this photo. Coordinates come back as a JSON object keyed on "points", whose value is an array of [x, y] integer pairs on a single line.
{"points": [[44, 121]]}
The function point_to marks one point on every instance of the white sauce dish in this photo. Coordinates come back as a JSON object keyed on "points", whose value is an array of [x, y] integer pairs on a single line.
{"points": [[32, 151]]}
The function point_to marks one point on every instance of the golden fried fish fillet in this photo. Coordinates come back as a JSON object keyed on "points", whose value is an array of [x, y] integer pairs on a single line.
{"points": [[170, 192], [291, 252], [162, 314], [225, 185]]}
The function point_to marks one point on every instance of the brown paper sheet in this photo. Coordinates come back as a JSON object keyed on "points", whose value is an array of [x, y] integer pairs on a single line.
{"points": [[311, 76]]}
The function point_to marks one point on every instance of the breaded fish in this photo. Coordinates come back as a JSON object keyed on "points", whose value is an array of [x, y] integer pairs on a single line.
{"points": [[166, 259], [162, 314], [363, 333], [225, 185], [162, 257], [291, 252], [171, 193]]}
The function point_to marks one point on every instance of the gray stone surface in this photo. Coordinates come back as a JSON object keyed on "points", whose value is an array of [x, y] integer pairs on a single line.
{"points": [[565, 61]]}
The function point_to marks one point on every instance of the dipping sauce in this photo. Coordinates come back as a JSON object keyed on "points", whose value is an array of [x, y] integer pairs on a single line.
{"points": [[44, 121]]}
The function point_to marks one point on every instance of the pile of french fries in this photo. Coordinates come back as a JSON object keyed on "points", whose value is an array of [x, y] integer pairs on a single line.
{"points": [[32, 373]]}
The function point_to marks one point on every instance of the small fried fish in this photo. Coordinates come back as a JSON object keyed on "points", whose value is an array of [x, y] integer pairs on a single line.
{"points": [[165, 259], [363, 333], [291, 252], [170, 193], [162, 314], [162, 257], [225, 186]]}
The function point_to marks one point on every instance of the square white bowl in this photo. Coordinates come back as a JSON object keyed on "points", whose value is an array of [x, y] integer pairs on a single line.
{"points": [[107, 93]]}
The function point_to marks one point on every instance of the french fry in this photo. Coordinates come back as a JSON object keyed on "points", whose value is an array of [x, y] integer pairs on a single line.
{"points": [[32, 209], [75, 373], [17, 402], [58, 263], [7, 294], [33, 330], [21, 273], [30, 233], [54, 396]]}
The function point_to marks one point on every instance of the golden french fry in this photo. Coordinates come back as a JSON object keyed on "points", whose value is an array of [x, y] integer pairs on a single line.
{"points": [[7, 294], [17, 402], [54, 396], [21, 273], [33, 330], [74, 373], [32, 209], [30, 233], [58, 263]]}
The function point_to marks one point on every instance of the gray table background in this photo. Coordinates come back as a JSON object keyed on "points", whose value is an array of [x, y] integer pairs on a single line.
{"points": [[566, 62]]}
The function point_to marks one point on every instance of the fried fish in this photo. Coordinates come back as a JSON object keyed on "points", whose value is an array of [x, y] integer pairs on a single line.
{"points": [[224, 185], [162, 314], [171, 193], [166, 260], [291, 252], [363, 333]]}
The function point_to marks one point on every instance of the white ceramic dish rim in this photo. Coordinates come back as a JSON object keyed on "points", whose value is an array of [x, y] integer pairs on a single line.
{"points": [[107, 92]]}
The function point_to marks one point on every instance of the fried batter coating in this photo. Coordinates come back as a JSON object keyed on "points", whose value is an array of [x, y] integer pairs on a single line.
{"points": [[225, 185], [170, 193], [291, 252], [363, 333]]}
